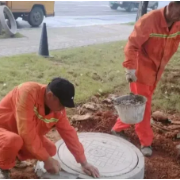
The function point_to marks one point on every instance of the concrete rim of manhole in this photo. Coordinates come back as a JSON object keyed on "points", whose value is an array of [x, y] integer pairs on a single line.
{"points": [[133, 170]]}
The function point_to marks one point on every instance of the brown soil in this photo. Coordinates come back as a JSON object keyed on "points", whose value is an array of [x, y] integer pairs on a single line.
{"points": [[98, 124], [163, 164], [27, 173]]}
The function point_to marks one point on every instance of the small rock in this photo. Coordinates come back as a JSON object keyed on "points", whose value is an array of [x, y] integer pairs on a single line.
{"points": [[81, 117], [82, 111], [112, 96], [110, 106], [94, 99], [178, 136], [159, 116], [91, 106], [108, 101]]}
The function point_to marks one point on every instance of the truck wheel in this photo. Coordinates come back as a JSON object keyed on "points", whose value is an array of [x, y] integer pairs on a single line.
{"points": [[15, 16], [114, 6], [9, 29], [129, 7], [36, 16]]}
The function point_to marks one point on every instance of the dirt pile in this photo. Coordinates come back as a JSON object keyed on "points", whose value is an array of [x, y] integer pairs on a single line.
{"points": [[163, 123], [25, 173], [100, 122], [163, 164]]}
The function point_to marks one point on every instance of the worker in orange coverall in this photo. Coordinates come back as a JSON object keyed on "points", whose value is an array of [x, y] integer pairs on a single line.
{"points": [[151, 45], [27, 113]]}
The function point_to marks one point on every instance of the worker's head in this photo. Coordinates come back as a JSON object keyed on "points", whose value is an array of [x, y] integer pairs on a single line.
{"points": [[173, 11], [59, 94]]}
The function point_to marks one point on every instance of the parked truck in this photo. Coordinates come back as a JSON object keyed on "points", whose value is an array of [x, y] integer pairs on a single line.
{"points": [[31, 11], [130, 5]]}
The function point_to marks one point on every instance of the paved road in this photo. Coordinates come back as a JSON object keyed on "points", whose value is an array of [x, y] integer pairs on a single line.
{"points": [[67, 37], [86, 13], [107, 28]]}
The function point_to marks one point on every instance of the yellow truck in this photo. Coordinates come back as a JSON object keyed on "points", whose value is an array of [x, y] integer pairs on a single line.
{"points": [[31, 11]]}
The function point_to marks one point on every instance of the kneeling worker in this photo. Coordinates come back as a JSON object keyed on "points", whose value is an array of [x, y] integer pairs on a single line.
{"points": [[27, 113]]}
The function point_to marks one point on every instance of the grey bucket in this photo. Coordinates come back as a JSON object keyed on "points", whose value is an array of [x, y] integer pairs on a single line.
{"points": [[130, 113]]}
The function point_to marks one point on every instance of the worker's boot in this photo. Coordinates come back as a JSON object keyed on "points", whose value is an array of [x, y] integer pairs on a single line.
{"points": [[4, 174], [146, 150], [119, 134]]}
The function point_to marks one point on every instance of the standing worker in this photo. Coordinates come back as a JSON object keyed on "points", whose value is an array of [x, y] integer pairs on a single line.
{"points": [[151, 45], [27, 113]]}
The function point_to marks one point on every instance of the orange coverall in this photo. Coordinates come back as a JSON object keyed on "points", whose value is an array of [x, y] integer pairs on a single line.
{"points": [[149, 48], [23, 125]]}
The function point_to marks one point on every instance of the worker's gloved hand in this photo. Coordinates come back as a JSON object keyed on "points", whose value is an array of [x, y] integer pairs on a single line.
{"points": [[52, 166], [131, 75], [90, 170]]}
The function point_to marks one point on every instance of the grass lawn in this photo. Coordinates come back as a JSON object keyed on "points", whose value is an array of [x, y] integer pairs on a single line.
{"points": [[131, 23], [167, 94], [95, 69], [5, 36]]}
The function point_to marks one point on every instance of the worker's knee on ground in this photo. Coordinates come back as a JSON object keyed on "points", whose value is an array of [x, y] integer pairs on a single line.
{"points": [[11, 144], [13, 141]]}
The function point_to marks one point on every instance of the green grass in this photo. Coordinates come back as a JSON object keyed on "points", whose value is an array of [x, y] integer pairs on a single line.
{"points": [[5, 36], [131, 23], [167, 94], [93, 69]]}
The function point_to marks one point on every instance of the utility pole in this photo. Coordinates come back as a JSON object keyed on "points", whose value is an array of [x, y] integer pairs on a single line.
{"points": [[143, 5]]}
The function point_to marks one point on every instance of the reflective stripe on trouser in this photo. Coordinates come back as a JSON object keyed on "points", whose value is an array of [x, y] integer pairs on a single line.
{"points": [[143, 129], [11, 146]]}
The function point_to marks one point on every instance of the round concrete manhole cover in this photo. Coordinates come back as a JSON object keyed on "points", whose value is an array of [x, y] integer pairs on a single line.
{"points": [[113, 156]]}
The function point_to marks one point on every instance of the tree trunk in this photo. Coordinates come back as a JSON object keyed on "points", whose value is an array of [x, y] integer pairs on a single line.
{"points": [[143, 5]]}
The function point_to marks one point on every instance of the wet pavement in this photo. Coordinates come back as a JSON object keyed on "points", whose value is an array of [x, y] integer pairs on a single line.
{"points": [[78, 13], [77, 21], [66, 37], [86, 13], [72, 27]]}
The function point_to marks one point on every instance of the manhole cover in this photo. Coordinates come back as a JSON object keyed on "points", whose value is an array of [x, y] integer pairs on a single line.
{"points": [[113, 156]]}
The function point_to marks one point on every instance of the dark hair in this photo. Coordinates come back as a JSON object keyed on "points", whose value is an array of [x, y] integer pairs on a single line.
{"points": [[177, 2]]}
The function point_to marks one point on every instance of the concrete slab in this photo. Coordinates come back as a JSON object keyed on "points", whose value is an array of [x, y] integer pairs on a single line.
{"points": [[115, 157]]}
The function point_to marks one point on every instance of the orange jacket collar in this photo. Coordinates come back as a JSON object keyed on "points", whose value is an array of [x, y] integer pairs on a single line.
{"points": [[163, 21], [41, 99]]}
